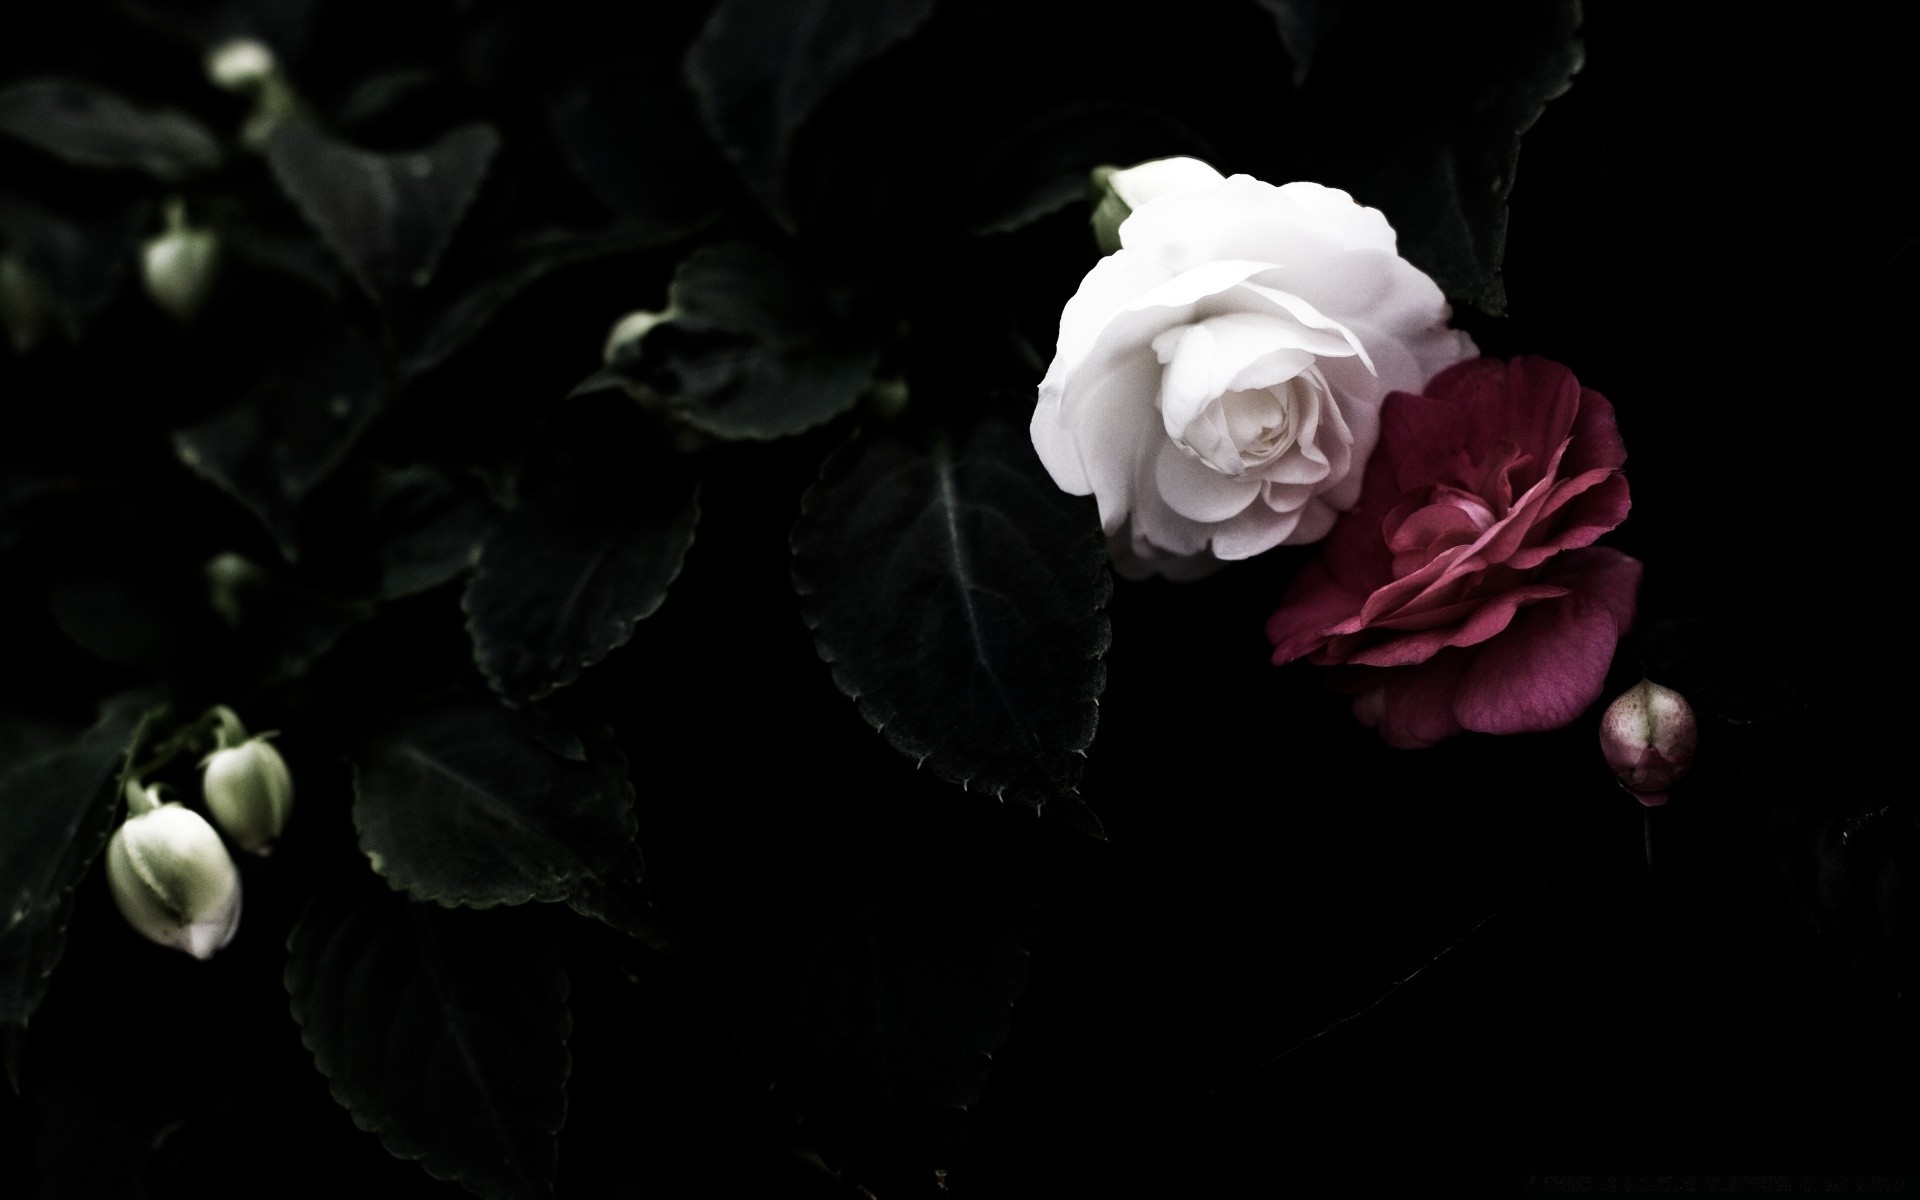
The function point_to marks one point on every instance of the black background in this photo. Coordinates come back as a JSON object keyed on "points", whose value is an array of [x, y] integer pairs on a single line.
{"points": [[1707, 229]]}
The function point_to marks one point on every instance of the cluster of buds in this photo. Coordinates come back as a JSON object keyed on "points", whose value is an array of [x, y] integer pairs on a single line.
{"points": [[169, 870]]}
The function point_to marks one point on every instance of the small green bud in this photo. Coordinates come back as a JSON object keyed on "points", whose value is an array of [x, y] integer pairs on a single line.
{"points": [[249, 791], [173, 880], [241, 65], [1117, 192], [178, 265]]}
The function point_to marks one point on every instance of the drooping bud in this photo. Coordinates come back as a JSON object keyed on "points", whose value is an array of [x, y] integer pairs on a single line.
{"points": [[1648, 736], [241, 65], [178, 265], [172, 878], [1117, 192], [249, 791]]}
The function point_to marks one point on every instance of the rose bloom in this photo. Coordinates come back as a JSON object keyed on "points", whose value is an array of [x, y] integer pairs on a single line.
{"points": [[1464, 592], [1218, 379]]}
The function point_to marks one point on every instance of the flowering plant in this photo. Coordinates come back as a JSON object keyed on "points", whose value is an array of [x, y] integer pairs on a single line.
{"points": [[682, 599]]}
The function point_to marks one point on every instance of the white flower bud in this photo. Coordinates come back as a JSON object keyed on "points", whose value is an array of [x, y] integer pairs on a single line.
{"points": [[249, 791], [178, 265], [240, 65], [174, 881], [1117, 193], [631, 328]]}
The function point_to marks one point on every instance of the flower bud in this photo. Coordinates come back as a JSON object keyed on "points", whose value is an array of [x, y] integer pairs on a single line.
{"points": [[174, 881], [178, 265], [240, 65], [1648, 736], [1117, 192], [249, 792], [631, 328]]}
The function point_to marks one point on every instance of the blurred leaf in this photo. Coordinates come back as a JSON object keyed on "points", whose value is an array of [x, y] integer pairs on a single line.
{"points": [[444, 1033], [89, 126], [748, 349], [389, 217], [630, 131], [414, 530], [460, 803], [759, 67], [80, 258], [904, 947], [1442, 170], [279, 626], [562, 581], [1303, 25], [960, 598], [56, 811], [1043, 166], [272, 448]]}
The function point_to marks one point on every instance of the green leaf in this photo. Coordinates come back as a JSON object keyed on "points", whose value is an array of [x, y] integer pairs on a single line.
{"points": [[749, 349], [1042, 166], [463, 803], [81, 257], [959, 596], [388, 217], [56, 811], [1303, 25], [759, 67], [444, 1033], [415, 531], [562, 581], [630, 132], [1442, 171], [272, 448], [904, 946], [450, 322], [89, 126]]}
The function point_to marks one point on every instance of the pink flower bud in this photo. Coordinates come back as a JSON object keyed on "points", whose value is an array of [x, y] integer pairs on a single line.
{"points": [[1648, 736]]}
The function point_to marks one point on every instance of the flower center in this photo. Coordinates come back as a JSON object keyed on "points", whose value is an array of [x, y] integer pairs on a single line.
{"points": [[1245, 430]]}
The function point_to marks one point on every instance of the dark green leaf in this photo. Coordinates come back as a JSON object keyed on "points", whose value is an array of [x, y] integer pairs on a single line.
{"points": [[445, 1033], [905, 945], [1303, 25], [563, 580], [419, 531], [1442, 171], [56, 810], [451, 323], [630, 131], [959, 596], [749, 350], [759, 67], [270, 450], [389, 217], [462, 803], [89, 126], [278, 626], [1043, 166]]}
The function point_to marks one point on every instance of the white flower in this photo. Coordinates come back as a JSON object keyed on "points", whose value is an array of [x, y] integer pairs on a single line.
{"points": [[173, 880], [1218, 379]]}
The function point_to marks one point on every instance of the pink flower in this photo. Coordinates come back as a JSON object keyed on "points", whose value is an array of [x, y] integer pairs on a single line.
{"points": [[1464, 591]]}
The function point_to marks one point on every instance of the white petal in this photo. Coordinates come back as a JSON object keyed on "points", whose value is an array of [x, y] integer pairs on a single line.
{"points": [[1255, 531], [1140, 186], [1114, 281], [1315, 522], [1197, 491], [1305, 313], [1245, 218]]}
